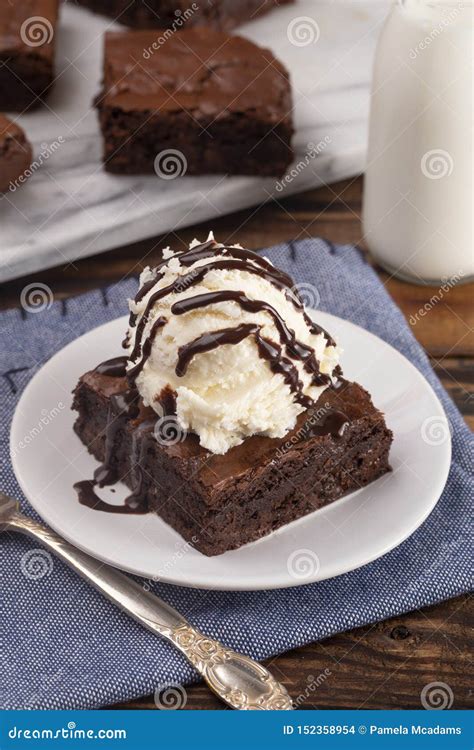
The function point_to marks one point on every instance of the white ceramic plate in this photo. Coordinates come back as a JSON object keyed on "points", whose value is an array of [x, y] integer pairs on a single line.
{"points": [[48, 459]]}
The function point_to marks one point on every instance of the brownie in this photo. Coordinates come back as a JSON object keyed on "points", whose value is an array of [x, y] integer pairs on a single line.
{"points": [[220, 502], [173, 14], [27, 42], [203, 102], [15, 155]]}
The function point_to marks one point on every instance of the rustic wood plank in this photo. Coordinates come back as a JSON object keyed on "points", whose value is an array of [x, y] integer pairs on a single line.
{"points": [[441, 320], [457, 376], [385, 665]]}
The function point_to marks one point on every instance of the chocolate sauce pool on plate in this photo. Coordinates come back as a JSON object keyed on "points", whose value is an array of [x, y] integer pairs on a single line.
{"points": [[87, 496]]}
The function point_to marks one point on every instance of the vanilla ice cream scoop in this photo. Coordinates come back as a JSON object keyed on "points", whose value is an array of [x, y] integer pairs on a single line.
{"points": [[219, 337]]}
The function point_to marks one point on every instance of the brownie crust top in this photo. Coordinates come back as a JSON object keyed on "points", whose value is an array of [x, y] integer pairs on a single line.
{"points": [[200, 70], [28, 26]]}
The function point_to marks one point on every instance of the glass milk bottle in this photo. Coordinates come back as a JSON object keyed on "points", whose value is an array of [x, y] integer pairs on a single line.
{"points": [[418, 194]]}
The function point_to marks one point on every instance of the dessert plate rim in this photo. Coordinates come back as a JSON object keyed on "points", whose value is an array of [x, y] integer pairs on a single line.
{"points": [[200, 571]]}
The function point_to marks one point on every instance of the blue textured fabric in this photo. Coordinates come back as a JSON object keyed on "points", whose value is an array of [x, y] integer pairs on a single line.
{"points": [[63, 646]]}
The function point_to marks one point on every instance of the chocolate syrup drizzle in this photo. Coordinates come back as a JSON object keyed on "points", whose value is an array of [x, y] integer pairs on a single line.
{"points": [[209, 341], [249, 260], [283, 366], [208, 250], [295, 349], [243, 260], [145, 350], [334, 423], [266, 349], [124, 406], [116, 367]]}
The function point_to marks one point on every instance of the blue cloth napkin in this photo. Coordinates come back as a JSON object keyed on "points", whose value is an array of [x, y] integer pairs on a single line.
{"points": [[64, 646]]}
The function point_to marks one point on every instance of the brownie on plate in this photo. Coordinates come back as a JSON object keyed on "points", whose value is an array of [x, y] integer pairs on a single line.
{"points": [[27, 43], [203, 102], [15, 154], [220, 502], [146, 14]]}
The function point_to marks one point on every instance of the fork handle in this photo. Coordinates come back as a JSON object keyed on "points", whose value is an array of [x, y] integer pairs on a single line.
{"points": [[239, 681]]}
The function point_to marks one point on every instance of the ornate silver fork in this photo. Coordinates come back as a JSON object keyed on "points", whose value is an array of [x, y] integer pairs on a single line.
{"points": [[239, 681]]}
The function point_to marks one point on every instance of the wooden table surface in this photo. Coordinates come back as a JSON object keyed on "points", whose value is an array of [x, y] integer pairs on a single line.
{"points": [[384, 665]]}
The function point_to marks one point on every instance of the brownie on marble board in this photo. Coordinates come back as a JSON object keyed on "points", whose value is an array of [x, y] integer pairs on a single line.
{"points": [[165, 14], [203, 103], [218, 503], [15, 155], [27, 48]]}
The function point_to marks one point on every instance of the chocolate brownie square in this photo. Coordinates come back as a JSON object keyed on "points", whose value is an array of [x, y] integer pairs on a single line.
{"points": [[220, 502], [176, 14], [201, 102], [15, 155], [27, 44]]}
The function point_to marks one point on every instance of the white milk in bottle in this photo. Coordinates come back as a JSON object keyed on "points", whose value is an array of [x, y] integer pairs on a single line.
{"points": [[418, 194]]}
